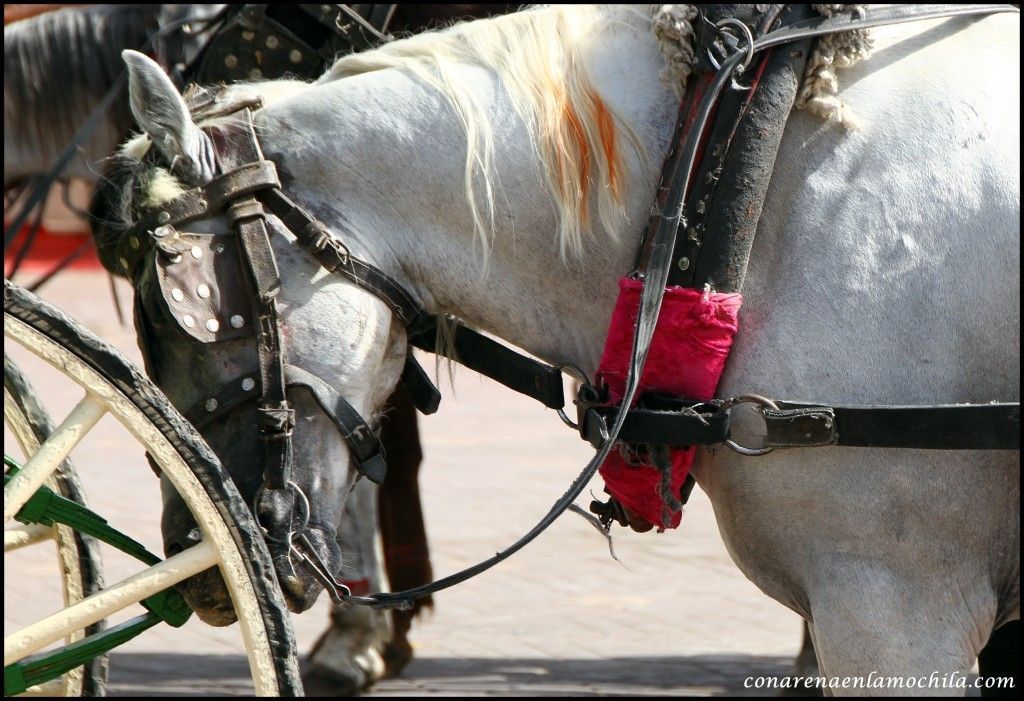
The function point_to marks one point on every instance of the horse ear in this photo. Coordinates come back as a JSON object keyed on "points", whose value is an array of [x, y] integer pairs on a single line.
{"points": [[163, 115]]}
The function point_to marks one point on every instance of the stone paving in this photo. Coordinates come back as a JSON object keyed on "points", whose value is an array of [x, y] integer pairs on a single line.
{"points": [[559, 618]]}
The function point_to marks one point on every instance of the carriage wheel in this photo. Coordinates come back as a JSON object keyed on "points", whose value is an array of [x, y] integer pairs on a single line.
{"points": [[78, 556], [231, 539]]}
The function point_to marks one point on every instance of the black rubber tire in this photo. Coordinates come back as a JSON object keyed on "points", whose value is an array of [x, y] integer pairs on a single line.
{"points": [[50, 322], [90, 564]]}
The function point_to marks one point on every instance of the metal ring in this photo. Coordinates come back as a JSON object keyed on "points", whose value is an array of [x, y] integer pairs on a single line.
{"points": [[303, 500], [748, 399], [747, 34], [576, 373]]}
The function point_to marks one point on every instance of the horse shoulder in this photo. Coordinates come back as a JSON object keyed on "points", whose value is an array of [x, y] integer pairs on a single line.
{"points": [[885, 271]]}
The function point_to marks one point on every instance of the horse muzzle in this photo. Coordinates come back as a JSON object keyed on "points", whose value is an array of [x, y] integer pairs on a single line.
{"points": [[207, 593]]}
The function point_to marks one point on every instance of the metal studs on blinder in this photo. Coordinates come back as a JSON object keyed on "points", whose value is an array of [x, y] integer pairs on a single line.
{"points": [[237, 321], [212, 325], [203, 291]]}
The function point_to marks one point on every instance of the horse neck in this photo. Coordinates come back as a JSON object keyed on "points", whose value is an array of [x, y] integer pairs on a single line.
{"points": [[398, 156]]}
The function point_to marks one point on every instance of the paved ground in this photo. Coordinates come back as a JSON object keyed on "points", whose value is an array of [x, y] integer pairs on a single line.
{"points": [[560, 618]]}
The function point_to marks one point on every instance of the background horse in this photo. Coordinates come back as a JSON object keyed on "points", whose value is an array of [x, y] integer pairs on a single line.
{"points": [[873, 248]]}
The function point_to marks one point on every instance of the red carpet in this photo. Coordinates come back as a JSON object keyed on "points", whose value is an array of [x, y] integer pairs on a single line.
{"points": [[49, 249]]}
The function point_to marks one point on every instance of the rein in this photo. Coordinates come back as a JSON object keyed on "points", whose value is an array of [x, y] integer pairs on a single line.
{"points": [[248, 188]]}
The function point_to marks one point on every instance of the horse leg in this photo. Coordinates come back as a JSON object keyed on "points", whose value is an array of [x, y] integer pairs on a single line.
{"points": [[406, 557], [805, 666], [1001, 658], [894, 639], [347, 658]]}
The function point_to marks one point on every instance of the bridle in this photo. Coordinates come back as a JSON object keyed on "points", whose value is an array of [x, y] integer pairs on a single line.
{"points": [[247, 188]]}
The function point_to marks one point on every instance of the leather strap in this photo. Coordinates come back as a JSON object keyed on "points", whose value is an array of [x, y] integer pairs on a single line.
{"points": [[197, 203], [944, 427], [360, 438], [477, 352], [424, 394], [333, 255], [363, 443], [684, 424], [677, 422], [876, 16], [275, 503], [729, 187]]}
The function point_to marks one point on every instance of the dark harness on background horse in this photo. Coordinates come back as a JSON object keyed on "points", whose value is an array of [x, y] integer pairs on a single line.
{"points": [[685, 244], [269, 41]]}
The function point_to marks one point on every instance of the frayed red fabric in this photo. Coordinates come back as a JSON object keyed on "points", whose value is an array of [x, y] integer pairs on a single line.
{"points": [[688, 352]]}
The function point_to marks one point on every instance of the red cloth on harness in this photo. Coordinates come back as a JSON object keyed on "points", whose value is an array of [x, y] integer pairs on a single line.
{"points": [[687, 356]]}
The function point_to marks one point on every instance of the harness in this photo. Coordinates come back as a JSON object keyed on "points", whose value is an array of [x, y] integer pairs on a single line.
{"points": [[269, 41], [684, 244]]}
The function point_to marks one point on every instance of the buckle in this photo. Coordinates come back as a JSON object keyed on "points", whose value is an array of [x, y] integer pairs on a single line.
{"points": [[276, 422], [763, 403], [326, 243]]}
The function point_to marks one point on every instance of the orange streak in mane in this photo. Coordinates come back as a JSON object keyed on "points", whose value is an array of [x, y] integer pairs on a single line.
{"points": [[606, 129], [583, 149]]}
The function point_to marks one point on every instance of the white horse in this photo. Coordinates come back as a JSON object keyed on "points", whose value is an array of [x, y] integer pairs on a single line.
{"points": [[885, 270]]}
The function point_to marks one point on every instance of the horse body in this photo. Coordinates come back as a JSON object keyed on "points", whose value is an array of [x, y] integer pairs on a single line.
{"points": [[880, 275], [884, 271]]}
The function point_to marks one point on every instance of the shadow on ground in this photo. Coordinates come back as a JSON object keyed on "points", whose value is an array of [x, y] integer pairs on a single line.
{"points": [[161, 674]]}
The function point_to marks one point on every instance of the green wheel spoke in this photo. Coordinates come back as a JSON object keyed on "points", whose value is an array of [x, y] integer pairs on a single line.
{"points": [[46, 666], [46, 507]]}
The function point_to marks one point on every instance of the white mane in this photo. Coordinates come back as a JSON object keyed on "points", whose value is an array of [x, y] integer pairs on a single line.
{"points": [[540, 56]]}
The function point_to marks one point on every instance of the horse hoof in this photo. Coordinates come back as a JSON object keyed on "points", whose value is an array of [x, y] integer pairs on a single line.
{"points": [[346, 660]]}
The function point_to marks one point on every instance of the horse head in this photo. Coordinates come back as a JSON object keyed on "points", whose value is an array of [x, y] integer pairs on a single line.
{"points": [[199, 326]]}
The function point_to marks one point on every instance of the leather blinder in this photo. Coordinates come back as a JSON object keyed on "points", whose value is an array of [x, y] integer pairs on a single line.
{"points": [[200, 287]]}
